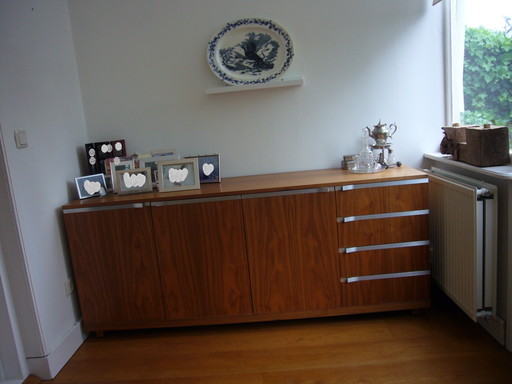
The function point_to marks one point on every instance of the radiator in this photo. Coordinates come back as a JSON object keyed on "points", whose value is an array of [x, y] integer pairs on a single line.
{"points": [[463, 237]]}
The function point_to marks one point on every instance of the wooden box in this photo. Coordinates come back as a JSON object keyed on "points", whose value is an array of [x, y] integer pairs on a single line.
{"points": [[476, 145]]}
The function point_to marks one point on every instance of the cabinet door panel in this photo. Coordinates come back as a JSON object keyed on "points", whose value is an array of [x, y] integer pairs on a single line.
{"points": [[368, 201], [203, 262], [292, 249], [383, 231], [115, 266]]}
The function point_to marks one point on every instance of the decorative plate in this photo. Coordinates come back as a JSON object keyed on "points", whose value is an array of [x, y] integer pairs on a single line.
{"points": [[250, 51]]}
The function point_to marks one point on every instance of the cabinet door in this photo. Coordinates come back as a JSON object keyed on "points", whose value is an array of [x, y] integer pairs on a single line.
{"points": [[115, 266], [203, 263], [292, 249]]}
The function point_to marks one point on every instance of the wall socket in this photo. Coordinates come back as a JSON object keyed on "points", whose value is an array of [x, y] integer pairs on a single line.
{"points": [[69, 286]]}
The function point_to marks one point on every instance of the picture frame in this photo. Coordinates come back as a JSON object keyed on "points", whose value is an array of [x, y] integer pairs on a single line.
{"points": [[91, 186], [152, 162], [119, 164], [163, 152], [178, 175], [135, 180], [209, 168]]}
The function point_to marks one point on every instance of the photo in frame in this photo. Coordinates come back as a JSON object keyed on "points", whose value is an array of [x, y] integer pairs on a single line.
{"points": [[91, 186], [152, 163], [119, 164], [209, 168], [178, 175], [136, 180]]}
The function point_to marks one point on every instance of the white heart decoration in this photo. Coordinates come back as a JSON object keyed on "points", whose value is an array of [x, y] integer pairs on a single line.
{"points": [[92, 187], [139, 180], [134, 180], [128, 180], [208, 169], [177, 175]]}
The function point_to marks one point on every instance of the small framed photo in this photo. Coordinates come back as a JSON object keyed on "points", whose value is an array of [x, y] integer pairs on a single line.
{"points": [[91, 186], [163, 152], [152, 162], [209, 168], [177, 175], [119, 164], [133, 181]]}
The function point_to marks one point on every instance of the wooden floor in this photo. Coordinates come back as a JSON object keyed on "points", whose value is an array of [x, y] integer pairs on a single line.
{"points": [[439, 346]]}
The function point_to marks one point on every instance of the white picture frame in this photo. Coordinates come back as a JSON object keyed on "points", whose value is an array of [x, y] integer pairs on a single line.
{"points": [[152, 163], [178, 175], [136, 180], [91, 186], [118, 164]]}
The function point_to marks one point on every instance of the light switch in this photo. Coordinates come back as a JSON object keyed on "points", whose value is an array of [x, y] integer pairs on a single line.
{"points": [[21, 139]]}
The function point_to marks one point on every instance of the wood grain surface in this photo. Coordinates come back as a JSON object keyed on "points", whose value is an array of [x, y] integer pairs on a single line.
{"points": [[442, 345]]}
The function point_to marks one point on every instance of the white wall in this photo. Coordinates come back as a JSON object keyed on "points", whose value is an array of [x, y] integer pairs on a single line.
{"points": [[143, 71], [39, 93]]}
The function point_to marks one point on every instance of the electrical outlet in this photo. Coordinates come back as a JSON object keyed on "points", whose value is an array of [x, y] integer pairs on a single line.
{"points": [[69, 286]]}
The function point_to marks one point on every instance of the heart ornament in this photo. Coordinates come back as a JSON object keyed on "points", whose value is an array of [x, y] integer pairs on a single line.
{"points": [[134, 180], [92, 187], [139, 180], [177, 175], [128, 181], [208, 169]]}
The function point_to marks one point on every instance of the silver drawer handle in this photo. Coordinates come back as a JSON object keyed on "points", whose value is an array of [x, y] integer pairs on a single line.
{"points": [[104, 208], [354, 279], [287, 193], [195, 201], [382, 184], [384, 246], [349, 219]]}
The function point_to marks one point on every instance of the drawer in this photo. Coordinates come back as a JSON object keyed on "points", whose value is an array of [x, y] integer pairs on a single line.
{"points": [[368, 199], [385, 291], [385, 261], [363, 231]]}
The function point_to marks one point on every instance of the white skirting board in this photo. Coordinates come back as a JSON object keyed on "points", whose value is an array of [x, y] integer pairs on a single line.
{"points": [[494, 325], [47, 367]]}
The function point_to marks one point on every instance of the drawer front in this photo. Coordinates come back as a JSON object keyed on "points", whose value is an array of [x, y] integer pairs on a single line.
{"points": [[383, 291], [383, 231], [385, 261], [375, 198]]}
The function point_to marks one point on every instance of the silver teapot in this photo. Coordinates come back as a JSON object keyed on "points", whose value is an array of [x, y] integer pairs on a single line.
{"points": [[381, 133]]}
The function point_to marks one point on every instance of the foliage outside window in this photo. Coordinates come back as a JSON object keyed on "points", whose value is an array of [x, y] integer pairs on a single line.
{"points": [[487, 77]]}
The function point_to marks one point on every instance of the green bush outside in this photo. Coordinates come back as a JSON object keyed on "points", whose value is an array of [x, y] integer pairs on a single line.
{"points": [[488, 77]]}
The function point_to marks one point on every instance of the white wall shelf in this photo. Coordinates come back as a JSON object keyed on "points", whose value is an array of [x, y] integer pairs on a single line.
{"points": [[285, 82]]}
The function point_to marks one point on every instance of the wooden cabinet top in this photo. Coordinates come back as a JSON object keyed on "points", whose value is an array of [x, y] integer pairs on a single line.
{"points": [[258, 184]]}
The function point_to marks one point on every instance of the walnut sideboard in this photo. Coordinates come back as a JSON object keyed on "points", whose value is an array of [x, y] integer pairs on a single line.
{"points": [[253, 248]]}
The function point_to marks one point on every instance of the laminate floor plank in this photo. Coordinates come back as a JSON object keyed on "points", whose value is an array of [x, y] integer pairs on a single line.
{"points": [[440, 346]]}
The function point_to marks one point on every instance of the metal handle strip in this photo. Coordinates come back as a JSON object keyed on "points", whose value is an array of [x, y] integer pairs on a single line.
{"points": [[382, 184], [103, 208], [397, 275], [286, 193], [385, 246], [195, 201], [382, 215]]}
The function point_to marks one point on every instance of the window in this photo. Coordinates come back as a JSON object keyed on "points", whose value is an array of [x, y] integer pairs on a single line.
{"points": [[480, 68]]}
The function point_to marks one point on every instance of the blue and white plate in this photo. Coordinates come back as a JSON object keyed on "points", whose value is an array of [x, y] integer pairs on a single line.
{"points": [[250, 51]]}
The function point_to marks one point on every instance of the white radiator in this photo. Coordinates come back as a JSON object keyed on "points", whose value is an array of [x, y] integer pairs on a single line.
{"points": [[463, 237]]}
